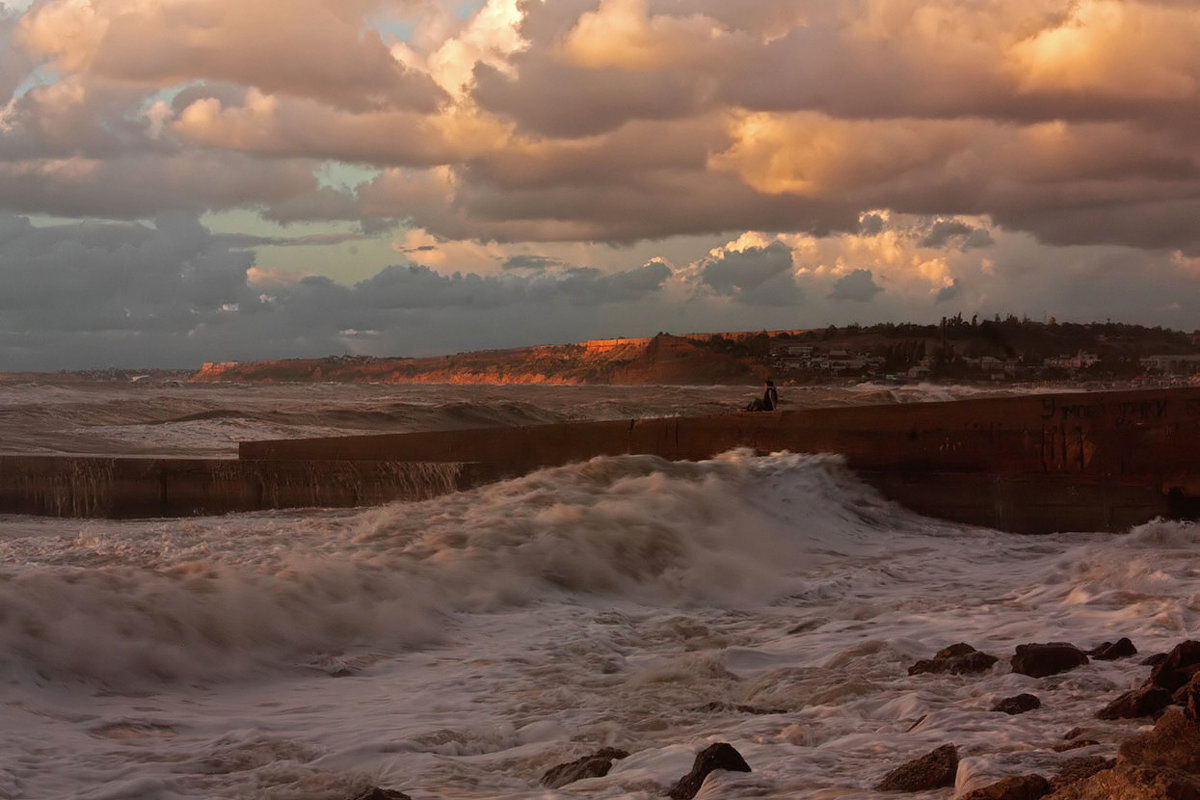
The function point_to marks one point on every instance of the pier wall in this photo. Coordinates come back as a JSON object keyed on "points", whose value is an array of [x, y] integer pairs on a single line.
{"points": [[120, 488], [1094, 434], [1034, 463]]}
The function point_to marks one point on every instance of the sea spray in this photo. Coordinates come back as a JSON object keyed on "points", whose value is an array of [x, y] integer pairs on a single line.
{"points": [[479, 639]]}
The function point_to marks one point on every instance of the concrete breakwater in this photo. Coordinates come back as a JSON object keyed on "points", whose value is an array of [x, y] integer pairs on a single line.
{"points": [[120, 488], [1032, 463]]}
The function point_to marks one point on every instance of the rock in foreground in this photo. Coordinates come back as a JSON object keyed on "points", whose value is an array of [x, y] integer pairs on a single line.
{"points": [[957, 659], [1018, 704], [1174, 743], [721, 755], [1133, 782], [1143, 702], [931, 771], [596, 765], [1040, 660], [1111, 651], [1019, 787]]}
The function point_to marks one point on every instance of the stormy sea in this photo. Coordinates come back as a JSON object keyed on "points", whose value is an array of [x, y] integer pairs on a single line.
{"points": [[464, 646]]}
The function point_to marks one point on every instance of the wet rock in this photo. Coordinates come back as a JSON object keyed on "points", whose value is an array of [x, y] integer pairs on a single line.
{"points": [[1078, 769], [1111, 651], [931, 771], [1174, 743], [716, 756], [1154, 660], [1018, 704], [1075, 745], [1144, 702], [375, 793], [596, 765], [1189, 698], [1018, 787], [1040, 660], [1174, 671], [1132, 782], [957, 659]]}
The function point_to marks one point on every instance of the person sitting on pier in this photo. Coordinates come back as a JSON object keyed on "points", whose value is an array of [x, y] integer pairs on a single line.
{"points": [[769, 401]]}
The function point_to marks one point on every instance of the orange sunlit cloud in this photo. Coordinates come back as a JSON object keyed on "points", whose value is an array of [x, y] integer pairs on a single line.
{"points": [[898, 154]]}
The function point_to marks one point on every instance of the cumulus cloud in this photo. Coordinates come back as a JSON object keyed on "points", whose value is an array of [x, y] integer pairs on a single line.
{"points": [[945, 231], [755, 274], [15, 63], [527, 261], [307, 48], [949, 293], [859, 285], [915, 145], [172, 293]]}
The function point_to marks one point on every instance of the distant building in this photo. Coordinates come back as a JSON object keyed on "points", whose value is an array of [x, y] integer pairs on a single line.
{"points": [[1080, 360], [1172, 364]]}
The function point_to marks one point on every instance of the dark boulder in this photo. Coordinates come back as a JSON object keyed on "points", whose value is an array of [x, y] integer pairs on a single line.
{"points": [[931, 771], [1174, 671], [596, 765], [1111, 651], [1018, 704], [1018, 787], [716, 756], [1144, 702], [1040, 660], [957, 659]]}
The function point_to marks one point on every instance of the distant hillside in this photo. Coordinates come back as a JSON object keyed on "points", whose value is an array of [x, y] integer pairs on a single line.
{"points": [[956, 349], [662, 359]]}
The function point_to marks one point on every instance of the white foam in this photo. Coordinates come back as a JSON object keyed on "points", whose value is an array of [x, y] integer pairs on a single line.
{"points": [[774, 603]]}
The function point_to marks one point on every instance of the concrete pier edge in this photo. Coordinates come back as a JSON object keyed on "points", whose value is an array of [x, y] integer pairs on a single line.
{"points": [[1030, 463]]}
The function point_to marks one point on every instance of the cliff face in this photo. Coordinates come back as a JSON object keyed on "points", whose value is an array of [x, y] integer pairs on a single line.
{"points": [[660, 360]]}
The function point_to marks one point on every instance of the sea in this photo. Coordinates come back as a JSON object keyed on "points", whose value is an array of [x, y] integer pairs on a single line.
{"points": [[462, 646]]}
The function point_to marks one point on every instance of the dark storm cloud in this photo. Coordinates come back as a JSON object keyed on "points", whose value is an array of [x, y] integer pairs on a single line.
{"points": [[966, 237], [141, 186], [554, 100], [410, 287], [871, 224], [533, 262], [948, 293], [98, 278], [858, 286], [173, 293], [756, 275]]}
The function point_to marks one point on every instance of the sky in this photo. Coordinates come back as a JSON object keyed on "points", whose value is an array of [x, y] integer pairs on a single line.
{"points": [[185, 181]]}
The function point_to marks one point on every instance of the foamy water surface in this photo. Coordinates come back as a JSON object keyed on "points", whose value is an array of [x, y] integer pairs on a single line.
{"points": [[460, 647]]}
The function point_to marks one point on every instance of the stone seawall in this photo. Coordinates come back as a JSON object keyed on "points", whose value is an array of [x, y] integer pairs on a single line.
{"points": [[1034, 463], [119, 488]]}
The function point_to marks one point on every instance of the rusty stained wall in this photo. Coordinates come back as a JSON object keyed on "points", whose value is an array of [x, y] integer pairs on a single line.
{"points": [[1113, 434], [67, 486]]}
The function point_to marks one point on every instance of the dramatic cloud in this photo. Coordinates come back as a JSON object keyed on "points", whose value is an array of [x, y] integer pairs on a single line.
{"points": [[692, 162], [164, 294], [859, 285], [307, 48], [757, 275]]}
